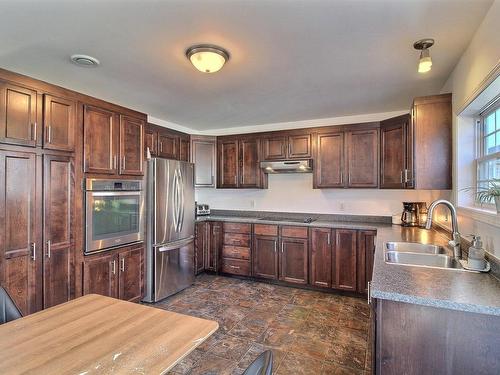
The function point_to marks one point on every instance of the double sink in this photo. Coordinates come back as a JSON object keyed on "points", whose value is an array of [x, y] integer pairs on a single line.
{"points": [[420, 255]]}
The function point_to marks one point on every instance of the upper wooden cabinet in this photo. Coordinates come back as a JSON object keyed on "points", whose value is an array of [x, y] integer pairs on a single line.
{"points": [[18, 115], [150, 141], [347, 157], [204, 157], [184, 148], [168, 146], [113, 144], [238, 163], [415, 151], [131, 146], [166, 143], [287, 146], [59, 118]]}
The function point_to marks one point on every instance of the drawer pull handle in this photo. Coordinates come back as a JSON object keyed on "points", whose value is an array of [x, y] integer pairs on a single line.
{"points": [[235, 267]]}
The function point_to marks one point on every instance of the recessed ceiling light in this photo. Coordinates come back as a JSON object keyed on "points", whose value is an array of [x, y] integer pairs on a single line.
{"points": [[425, 61], [207, 58], [84, 60]]}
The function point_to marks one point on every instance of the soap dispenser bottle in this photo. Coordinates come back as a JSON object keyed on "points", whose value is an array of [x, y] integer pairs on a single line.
{"points": [[476, 254]]}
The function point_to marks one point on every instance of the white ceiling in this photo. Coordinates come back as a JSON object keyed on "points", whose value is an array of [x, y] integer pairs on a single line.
{"points": [[290, 59]]}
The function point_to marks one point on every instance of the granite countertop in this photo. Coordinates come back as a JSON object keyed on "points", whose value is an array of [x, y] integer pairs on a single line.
{"points": [[451, 289]]}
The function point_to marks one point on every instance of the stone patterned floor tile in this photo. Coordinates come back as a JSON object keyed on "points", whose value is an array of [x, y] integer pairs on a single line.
{"points": [[255, 350], [330, 368], [231, 347], [297, 364], [348, 355], [210, 364], [184, 366]]}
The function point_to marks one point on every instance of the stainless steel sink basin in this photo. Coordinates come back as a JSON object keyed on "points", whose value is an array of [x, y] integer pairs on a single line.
{"points": [[423, 260], [414, 247]]}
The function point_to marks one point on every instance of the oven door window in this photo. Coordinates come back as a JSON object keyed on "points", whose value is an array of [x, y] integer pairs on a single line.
{"points": [[114, 216]]}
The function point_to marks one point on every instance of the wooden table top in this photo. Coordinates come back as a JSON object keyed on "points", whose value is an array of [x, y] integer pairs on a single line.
{"points": [[100, 335]]}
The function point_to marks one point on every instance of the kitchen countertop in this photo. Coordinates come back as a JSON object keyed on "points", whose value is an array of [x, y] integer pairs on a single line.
{"points": [[451, 289]]}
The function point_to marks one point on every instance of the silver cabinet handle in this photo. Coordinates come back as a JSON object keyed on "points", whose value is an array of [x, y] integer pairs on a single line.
{"points": [[33, 251], [289, 149], [328, 238], [406, 175], [122, 266], [236, 179], [123, 162], [341, 178], [113, 267], [282, 244], [34, 131], [115, 162], [369, 297], [49, 133], [275, 246], [48, 248], [161, 146], [235, 267], [402, 181]]}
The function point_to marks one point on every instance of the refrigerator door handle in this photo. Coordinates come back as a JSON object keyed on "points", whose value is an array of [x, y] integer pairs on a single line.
{"points": [[181, 208], [175, 205], [176, 244]]}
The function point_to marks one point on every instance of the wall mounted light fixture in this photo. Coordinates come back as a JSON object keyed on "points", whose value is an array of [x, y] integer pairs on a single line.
{"points": [[425, 61], [207, 58]]}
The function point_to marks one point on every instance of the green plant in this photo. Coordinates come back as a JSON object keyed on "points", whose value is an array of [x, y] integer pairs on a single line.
{"points": [[487, 194]]}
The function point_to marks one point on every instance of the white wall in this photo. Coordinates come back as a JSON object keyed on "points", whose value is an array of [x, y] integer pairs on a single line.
{"points": [[294, 193], [479, 61]]}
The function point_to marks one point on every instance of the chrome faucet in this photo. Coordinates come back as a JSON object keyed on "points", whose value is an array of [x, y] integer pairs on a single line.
{"points": [[455, 242]]}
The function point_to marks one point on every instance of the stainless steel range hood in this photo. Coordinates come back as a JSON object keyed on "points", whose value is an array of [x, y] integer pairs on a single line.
{"points": [[287, 166]]}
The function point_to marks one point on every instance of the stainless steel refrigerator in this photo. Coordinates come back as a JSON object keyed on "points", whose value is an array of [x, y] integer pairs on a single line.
{"points": [[170, 219]]}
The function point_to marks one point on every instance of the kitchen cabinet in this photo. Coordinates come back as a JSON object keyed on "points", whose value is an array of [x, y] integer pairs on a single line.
{"points": [[213, 247], [131, 146], [320, 269], [238, 163], [58, 229], [200, 245], [286, 146], [294, 260], [150, 141], [329, 160], [236, 249], [366, 252], [168, 145], [116, 273], [394, 153], [18, 115], [184, 145], [362, 158], [204, 157], [344, 260], [113, 143], [265, 257], [59, 119], [20, 261], [130, 276]]}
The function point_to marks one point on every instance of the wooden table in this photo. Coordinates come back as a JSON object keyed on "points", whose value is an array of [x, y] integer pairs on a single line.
{"points": [[99, 335]]}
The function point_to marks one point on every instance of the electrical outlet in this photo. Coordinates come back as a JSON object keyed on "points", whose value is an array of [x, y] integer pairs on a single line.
{"points": [[252, 203], [342, 206]]}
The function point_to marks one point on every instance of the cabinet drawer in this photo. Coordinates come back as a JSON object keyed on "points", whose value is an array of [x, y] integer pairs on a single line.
{"points": [[294, 232], [237, 252], [237, 228], [265, 230], [236, 266], [237, 239]]}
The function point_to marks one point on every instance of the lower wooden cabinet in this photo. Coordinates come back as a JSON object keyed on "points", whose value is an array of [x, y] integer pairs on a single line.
{"points": [[118, 274], [366, 252], [320, 268], [200, 244], [265, 257], [208, 245], [344, 260], [294, 260]]}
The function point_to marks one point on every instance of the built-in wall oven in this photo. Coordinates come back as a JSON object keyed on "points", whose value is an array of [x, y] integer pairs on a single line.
{"points": [[114, 214]]}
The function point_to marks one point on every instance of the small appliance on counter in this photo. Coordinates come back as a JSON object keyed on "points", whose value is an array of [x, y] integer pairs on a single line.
{"points": [[202, 210], [413, 214]]}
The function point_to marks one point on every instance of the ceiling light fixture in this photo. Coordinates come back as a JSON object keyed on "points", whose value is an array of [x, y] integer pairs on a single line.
{"points": [[425, 61], [84, 60], [207, 58]]}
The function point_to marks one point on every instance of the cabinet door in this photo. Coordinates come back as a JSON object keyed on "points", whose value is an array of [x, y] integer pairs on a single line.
{"points": [[130, 281], [299, 146], [293, 260], [168, 145], [200, 244], [184, 149], [58, 229], [19, 258], [393, 152], [203, 155], [214, 246], [59, 123], [18, 115], [150, 142], [362, 158], [100, 140], [329, 169], [344, 269], [274, 148], [321, 257], [249, 164], [100, 275], [265, 257], [366, 250], [131, 146], [228, 164]]}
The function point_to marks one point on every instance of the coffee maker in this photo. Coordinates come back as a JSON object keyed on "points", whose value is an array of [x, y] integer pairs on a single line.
{"points": [[411, 213]]}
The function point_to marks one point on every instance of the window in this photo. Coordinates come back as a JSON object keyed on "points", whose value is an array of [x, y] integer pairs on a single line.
{"points": [[488, 160]]}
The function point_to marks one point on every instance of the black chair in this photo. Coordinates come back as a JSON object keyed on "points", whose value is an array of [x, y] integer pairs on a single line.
{"points": [[262, 365], [8, 310]]}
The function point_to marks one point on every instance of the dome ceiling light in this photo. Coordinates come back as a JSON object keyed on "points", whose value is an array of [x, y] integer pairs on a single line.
{"points": [[207, 58], [425, 61]]}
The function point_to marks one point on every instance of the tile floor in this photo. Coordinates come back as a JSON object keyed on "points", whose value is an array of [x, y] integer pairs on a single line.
{"points": [[309, 332]]}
